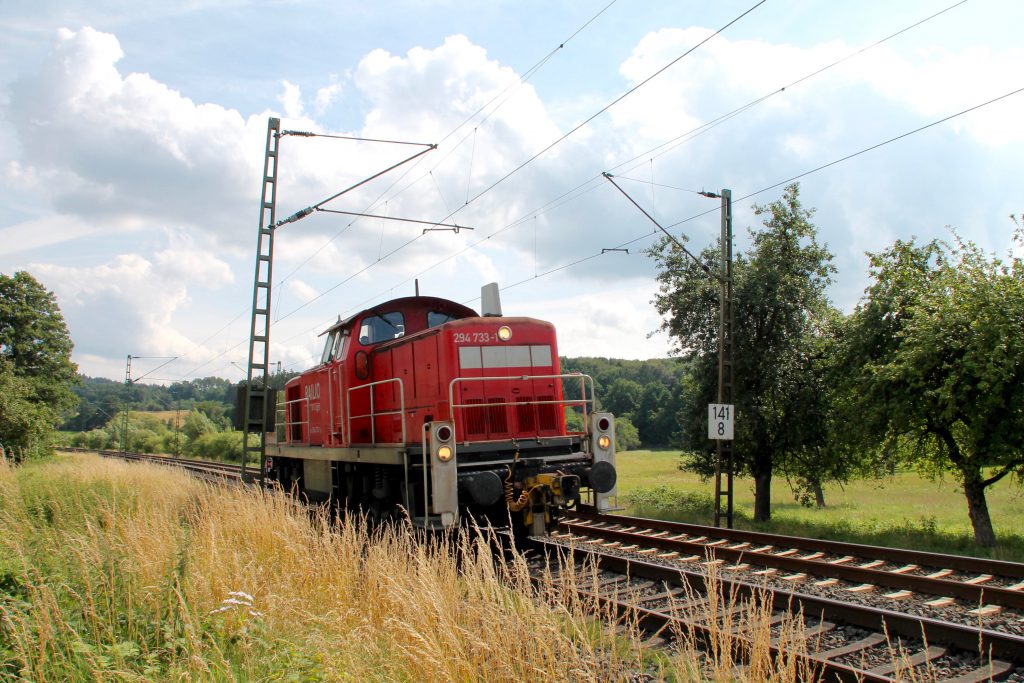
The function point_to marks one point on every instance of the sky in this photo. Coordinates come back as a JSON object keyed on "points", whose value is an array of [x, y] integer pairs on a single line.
{"points": [[135, 134]]}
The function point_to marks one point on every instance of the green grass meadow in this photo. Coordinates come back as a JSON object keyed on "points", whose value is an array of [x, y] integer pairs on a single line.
{"points": [[905, 510]]}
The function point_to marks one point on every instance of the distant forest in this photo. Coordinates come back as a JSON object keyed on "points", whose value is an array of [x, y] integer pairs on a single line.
{"points": [[100, 399], [644, 395]]}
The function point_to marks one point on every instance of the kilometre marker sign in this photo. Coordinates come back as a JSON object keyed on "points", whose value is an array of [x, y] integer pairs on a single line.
{"points": [[720, 419]]}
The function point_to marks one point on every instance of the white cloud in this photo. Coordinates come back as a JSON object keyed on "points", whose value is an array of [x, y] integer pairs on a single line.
{"points": [[482, 264], [124, 301], [291, 100], [326, 96], [43, 232], [937, 82], [609, 322], [136, 302], [114, 149], [186, 261], [301, 290], [425, 94], [726, 73]]}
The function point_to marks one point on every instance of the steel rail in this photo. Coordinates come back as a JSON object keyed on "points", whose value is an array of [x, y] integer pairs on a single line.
{"points": [[897, 555], [975, 593], [219, 469], [653, 621], [933, 631]]}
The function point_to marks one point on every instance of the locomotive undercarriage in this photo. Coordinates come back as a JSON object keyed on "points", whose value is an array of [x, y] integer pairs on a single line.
{"points": [[498, 484]]}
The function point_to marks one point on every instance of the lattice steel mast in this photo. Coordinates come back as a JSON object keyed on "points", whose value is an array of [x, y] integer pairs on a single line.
{"points": [[256, 407]]}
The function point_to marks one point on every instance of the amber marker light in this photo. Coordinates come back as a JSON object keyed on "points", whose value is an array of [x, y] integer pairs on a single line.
{"points": [[504, 333], [444, 453], [604, 441]]}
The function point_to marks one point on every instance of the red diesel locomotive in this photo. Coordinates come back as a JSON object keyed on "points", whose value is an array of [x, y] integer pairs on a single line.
{"points": [[422, 405]]}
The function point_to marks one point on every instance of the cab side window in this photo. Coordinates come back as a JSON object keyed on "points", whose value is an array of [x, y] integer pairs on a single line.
{"points": [[378, 328]]}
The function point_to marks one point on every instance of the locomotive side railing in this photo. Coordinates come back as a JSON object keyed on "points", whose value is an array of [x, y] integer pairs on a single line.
{"points": [[284, 412], [373, 414], [583, 402]]}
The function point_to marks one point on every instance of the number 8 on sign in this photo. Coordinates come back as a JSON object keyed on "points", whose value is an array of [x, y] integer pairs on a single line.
{"points": [[720, 421]]}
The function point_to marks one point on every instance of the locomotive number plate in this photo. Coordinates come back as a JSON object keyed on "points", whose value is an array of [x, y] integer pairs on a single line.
{"points": [[474, 337]]}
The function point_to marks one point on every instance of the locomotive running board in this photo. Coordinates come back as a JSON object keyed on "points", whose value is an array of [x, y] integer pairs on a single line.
{"points": [[389, 454], [392, 454]]}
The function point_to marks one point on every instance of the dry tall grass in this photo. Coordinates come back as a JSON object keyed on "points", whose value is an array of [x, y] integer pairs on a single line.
{"points": [[129, 572]]}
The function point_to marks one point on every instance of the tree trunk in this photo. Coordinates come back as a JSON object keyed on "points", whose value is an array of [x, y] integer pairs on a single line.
{"points": [[819, 494], [763, 495], [977, 508]]}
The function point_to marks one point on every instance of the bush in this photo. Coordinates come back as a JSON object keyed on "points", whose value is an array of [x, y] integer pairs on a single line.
{"points": [[667, 502], [94, 439], [144, 441], [573, 420], [197, 425], [626, 435], [172, 443], [26, 426], [217, 446]]}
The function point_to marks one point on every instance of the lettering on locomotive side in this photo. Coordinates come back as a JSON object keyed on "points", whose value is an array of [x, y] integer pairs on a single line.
{"points": [[312, 392], [474, 337]]}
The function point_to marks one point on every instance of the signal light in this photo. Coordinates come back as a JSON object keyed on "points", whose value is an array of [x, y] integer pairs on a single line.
{"points": [[444, 474], [602, 477]]}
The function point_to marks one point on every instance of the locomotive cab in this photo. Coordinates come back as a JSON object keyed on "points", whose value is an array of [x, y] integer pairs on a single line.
{"points": [[420, 406]]}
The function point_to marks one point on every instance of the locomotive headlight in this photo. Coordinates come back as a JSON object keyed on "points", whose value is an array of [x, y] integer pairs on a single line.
{"points": [[504, 333], [444, 453], [604, 442]]}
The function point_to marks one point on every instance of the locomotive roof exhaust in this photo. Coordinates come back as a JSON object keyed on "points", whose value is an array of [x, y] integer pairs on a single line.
{"points": [[490, 301]]}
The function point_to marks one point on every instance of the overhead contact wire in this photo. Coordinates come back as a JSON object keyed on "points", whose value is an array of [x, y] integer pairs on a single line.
{"points": [[864, 151], [778, 184], [523, 79], [594, 181], [705, 127], [569, 133], [612, 104]]}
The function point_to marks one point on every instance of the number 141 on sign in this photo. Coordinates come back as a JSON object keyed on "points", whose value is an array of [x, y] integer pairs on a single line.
{"points": [[720, 421]]}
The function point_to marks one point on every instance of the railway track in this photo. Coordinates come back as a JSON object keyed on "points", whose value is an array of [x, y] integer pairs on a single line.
{"points": [[869, 613], [217, 471]]}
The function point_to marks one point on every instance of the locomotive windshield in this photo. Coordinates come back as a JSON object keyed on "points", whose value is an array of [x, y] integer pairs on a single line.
{"points": [[378, 328], [335, 345]]}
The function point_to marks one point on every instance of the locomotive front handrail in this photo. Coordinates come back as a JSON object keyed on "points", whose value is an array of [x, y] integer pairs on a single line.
{"points": [[373, 414], [288, 423], [583, 401]]}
